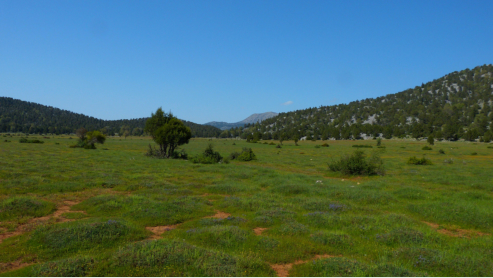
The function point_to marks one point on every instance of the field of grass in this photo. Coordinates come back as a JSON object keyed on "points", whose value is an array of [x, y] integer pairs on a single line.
{"points": [[114, 212]]}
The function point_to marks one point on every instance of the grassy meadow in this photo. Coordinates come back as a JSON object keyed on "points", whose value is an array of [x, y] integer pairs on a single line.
{"points": [[113, 211]]}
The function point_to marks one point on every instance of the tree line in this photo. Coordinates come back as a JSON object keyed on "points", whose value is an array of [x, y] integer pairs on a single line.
{"points": [[28, 117]]}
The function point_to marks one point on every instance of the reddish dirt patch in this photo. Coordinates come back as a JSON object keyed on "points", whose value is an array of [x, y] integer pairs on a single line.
{"points": [[258, 231], [159, 230], [32, 223], [219, 214], [282, 270], [456, 232], [4, 267]]}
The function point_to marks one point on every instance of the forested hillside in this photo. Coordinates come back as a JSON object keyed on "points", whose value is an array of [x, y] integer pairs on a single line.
{"points": [[22, 116], [458, 105]]}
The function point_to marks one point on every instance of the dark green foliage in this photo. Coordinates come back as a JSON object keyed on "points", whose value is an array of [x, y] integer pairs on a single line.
{"points": [[419, 161], [358, 164], [440, 151], [362, 146], [325, 145], [278, 146], [246, 155], [474, 153], [28, 117], [209, 156], [234, 155], [168, 132], [426, 148], [25, 140], [71, 267], [431, 140], [18, 207], [379, 142]]}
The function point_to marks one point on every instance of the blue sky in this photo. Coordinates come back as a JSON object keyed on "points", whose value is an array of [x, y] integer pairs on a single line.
{"points": [[225, 60]]}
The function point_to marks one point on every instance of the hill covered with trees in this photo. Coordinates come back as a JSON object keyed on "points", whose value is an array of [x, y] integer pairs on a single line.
{"points": [[28, 117], [458, 105]]}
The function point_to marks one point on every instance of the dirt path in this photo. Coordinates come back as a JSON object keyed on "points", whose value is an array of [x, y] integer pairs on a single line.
{"points": [[4, 267], [282, 270], [456, 232], [34, 222], [219, 214]]}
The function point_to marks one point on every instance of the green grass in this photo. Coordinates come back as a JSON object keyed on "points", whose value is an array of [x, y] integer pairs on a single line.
{"points": [[373, 225]]}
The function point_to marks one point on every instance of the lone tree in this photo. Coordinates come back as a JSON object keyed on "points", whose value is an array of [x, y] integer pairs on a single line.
{"points": [[81, 133], [167, 131], [431, 140]]}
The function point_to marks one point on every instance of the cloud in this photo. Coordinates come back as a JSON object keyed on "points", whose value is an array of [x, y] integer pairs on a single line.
{"points": [[287, 103]]}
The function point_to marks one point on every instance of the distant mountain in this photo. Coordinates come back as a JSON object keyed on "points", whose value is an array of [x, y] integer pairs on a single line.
{"points": [[257, 117], [28, 117], [457, 105]]}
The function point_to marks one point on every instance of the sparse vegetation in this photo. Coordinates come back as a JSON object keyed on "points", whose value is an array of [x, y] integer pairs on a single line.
{"points": [[118, 213], [358, 164], [419, 161]]}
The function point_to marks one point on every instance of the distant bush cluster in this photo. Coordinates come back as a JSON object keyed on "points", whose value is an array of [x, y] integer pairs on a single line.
{"points": [[25, 140], [419, 161], [358, 164], [245, 155], [209, 156]]}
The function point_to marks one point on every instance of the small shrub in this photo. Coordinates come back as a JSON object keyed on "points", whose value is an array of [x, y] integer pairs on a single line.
{"points": [[362, 146], [272, 143], [234, 155], [278, 146], [490, 147], [325, 145], [474, 153], [35, 141], [246, 155], [317, 146], [57, 143], [441, 151], [379, 142], [358, 164], [209, 156], [416, 161], [427, 148]]}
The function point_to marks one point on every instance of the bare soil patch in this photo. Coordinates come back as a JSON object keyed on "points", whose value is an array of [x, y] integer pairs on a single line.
{"points": [[159, 230], [259, 230], [4, 267], [34, 222], [282, 270], [456, 232], [219, 214]]}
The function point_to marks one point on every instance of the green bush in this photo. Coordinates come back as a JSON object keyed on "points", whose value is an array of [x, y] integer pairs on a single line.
{"points": [[362, 146], [209, 156], [474, 153], [25, 140], [427, 148], [317, 146], [278, 146], [325, 145], [272, 143], [234, 155], [441, 151], [417, 161], [358, 164], [246, 155]]}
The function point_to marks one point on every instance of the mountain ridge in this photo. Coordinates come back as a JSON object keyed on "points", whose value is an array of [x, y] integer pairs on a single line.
{"points": [[249, 120], [457, 105]]}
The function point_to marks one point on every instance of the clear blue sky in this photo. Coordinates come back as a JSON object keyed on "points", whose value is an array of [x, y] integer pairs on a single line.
{"points": [[224, 60]]}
